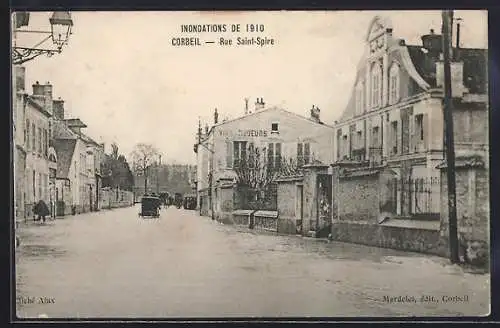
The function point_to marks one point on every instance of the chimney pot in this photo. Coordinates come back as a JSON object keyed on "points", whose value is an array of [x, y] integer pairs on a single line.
{"points": [[37, 82]]}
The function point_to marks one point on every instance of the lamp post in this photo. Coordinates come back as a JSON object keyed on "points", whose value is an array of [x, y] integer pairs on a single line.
{"points": [[60, 30]]}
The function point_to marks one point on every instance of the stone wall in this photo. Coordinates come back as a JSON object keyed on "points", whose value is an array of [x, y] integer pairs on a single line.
{"points": [[114, 198], [224, 213], [287, 206], [473, 211], [358, 198], [402, 238], [265, 221]]}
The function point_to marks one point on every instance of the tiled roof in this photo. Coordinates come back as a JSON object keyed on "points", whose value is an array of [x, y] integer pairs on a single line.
{"points": [[75, 122], [475, 67], [61, 131], [88, 139], [64, 149], [32, 100]]}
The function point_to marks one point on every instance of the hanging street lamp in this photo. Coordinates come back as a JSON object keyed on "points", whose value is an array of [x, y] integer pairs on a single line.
{"points": [[61, 25]]}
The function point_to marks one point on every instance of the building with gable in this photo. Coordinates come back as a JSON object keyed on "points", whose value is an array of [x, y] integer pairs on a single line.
{"points": [[284, 135], [394, 116], [78, 173], [41, 160]]}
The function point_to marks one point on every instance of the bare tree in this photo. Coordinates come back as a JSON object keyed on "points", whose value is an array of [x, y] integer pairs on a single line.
{"points": [[143, 157], [114, 151], [257, 171]]}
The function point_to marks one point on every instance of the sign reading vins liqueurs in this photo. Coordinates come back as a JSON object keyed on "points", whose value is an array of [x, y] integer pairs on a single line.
{"points": [[243, 133]]}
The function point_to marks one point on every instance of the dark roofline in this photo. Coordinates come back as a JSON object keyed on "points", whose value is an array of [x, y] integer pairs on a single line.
{"points": [[37, 106], [75, 122]]}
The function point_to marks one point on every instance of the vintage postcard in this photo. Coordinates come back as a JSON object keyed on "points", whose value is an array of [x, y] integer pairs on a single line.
{"points": [[237, 164]]}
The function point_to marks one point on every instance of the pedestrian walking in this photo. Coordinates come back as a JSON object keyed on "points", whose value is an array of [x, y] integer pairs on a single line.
{"points": [[41, 210]]}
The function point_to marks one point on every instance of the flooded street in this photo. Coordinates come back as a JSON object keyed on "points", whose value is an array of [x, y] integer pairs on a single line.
{"points": [[114, 264]]}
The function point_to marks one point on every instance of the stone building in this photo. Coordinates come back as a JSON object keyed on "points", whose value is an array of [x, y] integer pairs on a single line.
{"points": [[388, 183], [78, 171], [19, 149], [394, 116], [39, 164], [284, 136]]}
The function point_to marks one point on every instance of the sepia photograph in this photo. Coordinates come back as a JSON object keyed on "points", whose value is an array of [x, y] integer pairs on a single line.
{"points": [[250, 164]]}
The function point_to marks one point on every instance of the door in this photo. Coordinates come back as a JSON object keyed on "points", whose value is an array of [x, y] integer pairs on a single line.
{"points": [[324, 205], [90, 199], [299, 209]]}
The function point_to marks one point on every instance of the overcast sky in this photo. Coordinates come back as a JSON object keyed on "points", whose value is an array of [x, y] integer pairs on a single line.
{"points": [[123, 78]]}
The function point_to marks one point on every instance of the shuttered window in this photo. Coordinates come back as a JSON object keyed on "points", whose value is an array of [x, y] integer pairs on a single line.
{"points": [[27, 134], [229, 154], [300, 154], [33, 139]]}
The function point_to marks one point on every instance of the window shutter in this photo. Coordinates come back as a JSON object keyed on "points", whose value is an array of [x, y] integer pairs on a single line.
{"points": [[399, 137], [278, 154], [307, 153], [270, 153], [243, 151], [412, 133], [300, 155], [236, 153], [425, 125]]}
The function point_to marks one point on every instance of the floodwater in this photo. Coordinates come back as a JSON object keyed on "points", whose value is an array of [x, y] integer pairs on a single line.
{"points": [[113, 264]]}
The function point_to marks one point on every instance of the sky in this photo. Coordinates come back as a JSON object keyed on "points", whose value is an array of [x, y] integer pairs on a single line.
{"points": [[121, 75]]}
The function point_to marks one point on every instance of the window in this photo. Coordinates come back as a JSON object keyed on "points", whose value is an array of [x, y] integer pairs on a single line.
{"points": [[375, 137], [394, 137], [40, 185], [239, 152], [33, 182], [307, 153], [300, 154], [345, 146], [394, 84], [251, 155], [419, 127], [274, 154], [46, 143], [376, 75], [40, 141], [33, 139], [274, 128]]}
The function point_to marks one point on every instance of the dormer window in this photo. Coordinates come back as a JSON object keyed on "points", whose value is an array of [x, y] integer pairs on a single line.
{"points": [[394, 84], [376, 79], [274, 128]]}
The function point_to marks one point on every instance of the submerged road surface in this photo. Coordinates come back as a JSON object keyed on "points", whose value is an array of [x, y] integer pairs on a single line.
{"points": [[114, 264]]}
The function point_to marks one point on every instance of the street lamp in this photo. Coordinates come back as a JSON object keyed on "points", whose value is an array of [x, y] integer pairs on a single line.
{"points": [[61, 25]]}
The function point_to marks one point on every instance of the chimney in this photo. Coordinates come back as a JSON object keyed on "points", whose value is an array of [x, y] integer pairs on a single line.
{"points": [[47, 92], [315, 114], [20, 77], [433, 43], [38, 89], [216, 116], [58, 107], [246, 106], [259, 104]]}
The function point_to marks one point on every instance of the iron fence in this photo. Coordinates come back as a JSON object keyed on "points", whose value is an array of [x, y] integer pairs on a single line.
{"points": [[416, 196]]}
